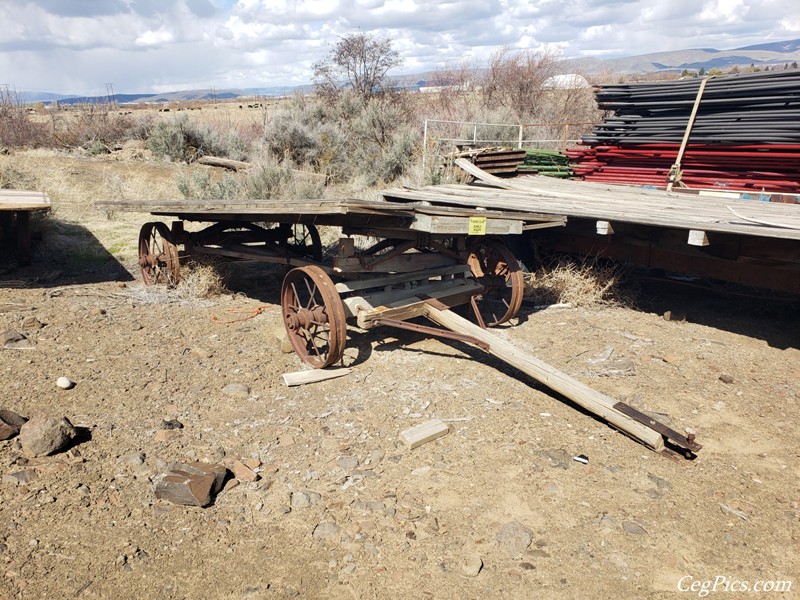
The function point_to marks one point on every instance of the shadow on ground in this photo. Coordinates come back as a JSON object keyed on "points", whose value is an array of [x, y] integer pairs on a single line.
{"points": [[63, 254], [757, 314]]}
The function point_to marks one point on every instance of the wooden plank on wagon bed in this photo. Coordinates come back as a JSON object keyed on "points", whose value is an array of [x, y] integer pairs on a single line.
{"points": [[461, 225], [404, 263], [379, 282]]}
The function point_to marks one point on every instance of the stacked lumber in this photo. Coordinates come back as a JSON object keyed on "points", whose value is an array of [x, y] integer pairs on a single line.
{"points": [[550, 163], [744, 137], [497, 161]]}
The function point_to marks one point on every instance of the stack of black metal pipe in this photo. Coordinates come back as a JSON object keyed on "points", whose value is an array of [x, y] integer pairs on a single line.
{"points": [[744, 115]]}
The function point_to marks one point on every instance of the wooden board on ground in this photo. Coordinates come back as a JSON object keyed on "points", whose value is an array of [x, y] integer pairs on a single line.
{"points": [[424, 433], [313, 376]]}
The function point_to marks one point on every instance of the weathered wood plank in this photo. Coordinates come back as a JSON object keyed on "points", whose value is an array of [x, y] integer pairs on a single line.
{"points": [[424, 433], [24, 200], [355, 285], [313, 376], [404, 263], [407, 303], [461, 225], [590, 399]]}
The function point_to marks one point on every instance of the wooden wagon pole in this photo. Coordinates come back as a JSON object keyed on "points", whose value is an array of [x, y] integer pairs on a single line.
{"points": [[581, 394]]}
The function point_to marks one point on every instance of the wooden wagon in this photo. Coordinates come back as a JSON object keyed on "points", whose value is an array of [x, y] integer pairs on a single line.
{"points": [[393, 262]]}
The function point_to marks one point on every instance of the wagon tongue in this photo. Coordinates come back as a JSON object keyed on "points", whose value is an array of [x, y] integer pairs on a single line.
{"points": [[675, 444]]}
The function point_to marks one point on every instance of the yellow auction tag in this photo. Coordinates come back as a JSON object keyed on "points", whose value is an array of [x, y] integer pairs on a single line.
{"points": [[477, 226]]}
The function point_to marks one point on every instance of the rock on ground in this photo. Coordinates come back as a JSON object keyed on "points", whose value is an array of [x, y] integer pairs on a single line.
{"points": [[42, 435]]}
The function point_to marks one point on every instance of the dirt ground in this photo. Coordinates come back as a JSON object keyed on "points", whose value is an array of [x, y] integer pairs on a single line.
{"points": [[497, 508]]}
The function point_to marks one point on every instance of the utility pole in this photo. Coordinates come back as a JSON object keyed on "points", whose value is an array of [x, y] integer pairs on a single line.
{"points": [[112, 101]]}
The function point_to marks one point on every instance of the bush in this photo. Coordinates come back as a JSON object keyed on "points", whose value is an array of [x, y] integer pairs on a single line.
{"points": [[82, 126], [306, 134], [16, 127], [96, 147], [184, 141], [384, 146], [200, 186], [261, 182]]}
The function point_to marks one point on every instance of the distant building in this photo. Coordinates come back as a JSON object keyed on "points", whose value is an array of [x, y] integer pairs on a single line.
{"points": [[572, 81]]}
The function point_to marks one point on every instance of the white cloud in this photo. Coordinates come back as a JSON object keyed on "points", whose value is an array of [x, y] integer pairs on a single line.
{"points": [[142, 45], [154, 38]]}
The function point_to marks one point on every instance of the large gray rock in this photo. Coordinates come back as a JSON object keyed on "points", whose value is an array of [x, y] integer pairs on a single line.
{"points": [[42, 435]]}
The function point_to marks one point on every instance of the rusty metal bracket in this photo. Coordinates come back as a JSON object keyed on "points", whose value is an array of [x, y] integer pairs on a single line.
{"points": [[434, 331], [478, 316], [685, 442]]}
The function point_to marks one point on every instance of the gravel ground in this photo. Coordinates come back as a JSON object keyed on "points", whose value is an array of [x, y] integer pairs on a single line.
{"points": [[497, 508]]}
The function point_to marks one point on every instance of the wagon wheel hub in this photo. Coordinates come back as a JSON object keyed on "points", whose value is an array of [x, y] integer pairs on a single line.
{"points": [[304, 318], [150, 260]]}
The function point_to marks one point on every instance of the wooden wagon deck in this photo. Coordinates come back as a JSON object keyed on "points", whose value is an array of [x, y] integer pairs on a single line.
{"points": [[744, 241], [612, 204], [416, 216]]}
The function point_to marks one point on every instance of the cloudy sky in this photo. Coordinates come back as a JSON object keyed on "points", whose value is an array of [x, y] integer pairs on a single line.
{"points": [[78, 46]]}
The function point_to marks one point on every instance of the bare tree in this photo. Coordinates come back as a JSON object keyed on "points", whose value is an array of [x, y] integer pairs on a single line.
{"points": [[514, 80], [359, 61], [453, 91]]}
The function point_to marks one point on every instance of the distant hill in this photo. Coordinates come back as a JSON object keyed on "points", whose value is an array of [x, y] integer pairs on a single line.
{"points": [[772, 54], [785, 47]]}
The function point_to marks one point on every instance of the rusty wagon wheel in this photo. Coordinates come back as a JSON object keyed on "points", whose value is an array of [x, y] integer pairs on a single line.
{"points": [[158, 256], [304, 241], [314, 316], [497, 269]]}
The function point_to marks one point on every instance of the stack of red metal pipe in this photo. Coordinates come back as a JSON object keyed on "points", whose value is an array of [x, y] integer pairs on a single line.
{"points": [[745, 136]]}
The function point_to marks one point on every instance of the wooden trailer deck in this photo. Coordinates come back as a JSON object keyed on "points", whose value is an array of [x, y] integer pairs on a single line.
{"points": [[745, 241], [17, 205]]}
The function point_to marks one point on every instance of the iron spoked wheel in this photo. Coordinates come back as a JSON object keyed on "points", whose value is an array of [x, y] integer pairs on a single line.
{"points": [[158, 256], [497, 269], [314, 316], [304, 240]]}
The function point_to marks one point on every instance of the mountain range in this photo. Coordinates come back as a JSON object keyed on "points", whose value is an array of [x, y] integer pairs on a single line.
{"points": [[771, 54]]}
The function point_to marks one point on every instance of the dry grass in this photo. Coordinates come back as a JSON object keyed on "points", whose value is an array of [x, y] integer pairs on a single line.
{"points": [[202, 279], [579, 282], [200, 285]]}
